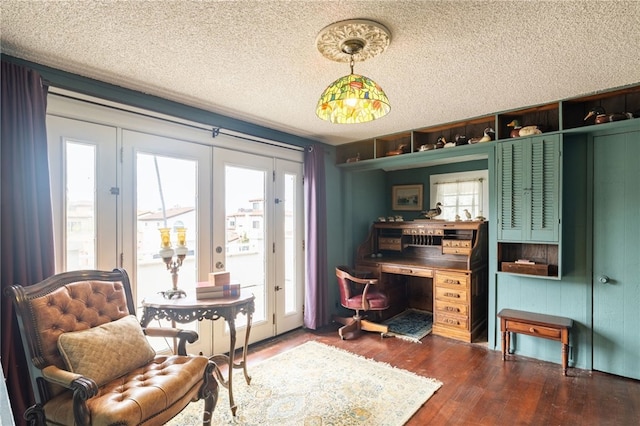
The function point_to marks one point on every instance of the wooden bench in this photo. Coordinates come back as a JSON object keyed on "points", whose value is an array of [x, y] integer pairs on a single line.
{"points": [[538, 325]]}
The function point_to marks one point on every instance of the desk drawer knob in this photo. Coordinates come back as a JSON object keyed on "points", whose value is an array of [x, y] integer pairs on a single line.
{"points": [[452, 295], [450, 281], [452, 309], [533, 330]]}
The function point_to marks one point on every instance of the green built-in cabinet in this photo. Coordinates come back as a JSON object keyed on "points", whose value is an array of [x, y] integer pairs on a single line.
{"points": [[529, 174], [528, 169]]}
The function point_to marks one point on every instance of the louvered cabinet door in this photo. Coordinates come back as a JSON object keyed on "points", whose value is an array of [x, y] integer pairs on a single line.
{"points": [[544, 188], [511, 184], [528, 189]]}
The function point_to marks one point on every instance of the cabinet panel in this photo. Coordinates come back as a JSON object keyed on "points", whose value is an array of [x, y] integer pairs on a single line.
{"points": [[545, 182], [528, 189]]}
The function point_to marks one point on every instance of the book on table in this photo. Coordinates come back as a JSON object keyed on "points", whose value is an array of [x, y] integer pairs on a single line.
{"points": [[205, 290]]}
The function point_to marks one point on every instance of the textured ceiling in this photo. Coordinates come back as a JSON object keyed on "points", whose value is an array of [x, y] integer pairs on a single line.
{"points": [[257, 60]]}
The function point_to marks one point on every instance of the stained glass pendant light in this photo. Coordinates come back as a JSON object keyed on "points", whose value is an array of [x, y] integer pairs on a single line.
{"points": [[353, 98]]}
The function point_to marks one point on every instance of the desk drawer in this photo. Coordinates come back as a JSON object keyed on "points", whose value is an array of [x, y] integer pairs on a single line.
{"points": [[452, 321], [451, 295], [534, 330], [456, 250], [452, 279], [423, 231], [445, 307], [407, 270], [385, 243]]}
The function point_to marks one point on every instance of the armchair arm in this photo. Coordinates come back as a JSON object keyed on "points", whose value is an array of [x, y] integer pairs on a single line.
{"points": [[59, 376], [183, 336], [366, 282], [83, 388]]}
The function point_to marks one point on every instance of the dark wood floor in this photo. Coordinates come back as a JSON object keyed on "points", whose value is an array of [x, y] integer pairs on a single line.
{"points": [[480, 389]]}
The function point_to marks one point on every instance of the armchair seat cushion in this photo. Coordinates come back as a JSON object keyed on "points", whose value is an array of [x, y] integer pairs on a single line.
{"points": [[377, 301], [138, 396]]}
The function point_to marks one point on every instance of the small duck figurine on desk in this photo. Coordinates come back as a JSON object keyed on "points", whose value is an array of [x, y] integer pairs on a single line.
{"points": [[431, 213], [489, 135], [603, 117], [519, 131]]}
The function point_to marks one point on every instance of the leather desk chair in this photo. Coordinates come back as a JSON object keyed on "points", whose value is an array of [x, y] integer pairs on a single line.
{"points": [[358, 292], [90, 362]]}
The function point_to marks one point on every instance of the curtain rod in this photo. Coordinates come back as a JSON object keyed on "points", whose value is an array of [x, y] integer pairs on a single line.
{"points": [[215, 131]]}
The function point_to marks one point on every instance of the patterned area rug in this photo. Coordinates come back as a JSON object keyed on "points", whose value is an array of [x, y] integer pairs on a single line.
{"points": [[317, 384], [412, 324]]}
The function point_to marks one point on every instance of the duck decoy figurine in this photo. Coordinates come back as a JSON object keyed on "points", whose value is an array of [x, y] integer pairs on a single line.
{"points": [[461, 139], [530, 130], [603, 117], [441, 142], [401, 149], [467, 214], [431, 213], [519, 130], [515, 132], [489, 135]]}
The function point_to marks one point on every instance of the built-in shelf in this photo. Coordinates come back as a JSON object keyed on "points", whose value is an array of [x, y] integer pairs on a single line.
{"points": [[544, 259], [561, 116]]}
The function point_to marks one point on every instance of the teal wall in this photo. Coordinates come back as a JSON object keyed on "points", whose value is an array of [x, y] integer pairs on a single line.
{"points": [[569, 296], [358, 193]]}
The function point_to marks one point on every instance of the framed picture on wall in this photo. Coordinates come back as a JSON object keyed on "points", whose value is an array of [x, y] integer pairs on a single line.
{"points": [[407, 197]]}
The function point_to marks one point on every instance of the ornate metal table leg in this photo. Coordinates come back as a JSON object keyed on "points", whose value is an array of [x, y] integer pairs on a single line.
{"points": [[232, 349], [244, 350]]}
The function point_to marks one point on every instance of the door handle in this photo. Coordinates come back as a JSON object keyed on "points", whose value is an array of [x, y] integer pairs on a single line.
{"points": [[603, 279], [219, 265]]}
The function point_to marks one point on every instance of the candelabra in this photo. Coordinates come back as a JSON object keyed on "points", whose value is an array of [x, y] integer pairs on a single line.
{"points": [[173, 265]]}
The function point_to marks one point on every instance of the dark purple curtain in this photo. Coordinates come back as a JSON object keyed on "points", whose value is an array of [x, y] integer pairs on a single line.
{"points": [[316, 312], [25, 213]]}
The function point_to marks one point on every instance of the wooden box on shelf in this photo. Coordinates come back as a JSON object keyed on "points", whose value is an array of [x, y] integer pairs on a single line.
{"points": [[529, 269], [544, 259]]}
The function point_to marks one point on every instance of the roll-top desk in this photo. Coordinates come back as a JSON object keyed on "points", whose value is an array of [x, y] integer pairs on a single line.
{"points": [[432, 265]]}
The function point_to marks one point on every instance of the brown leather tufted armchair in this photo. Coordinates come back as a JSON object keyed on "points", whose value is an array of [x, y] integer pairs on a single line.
{"points": [[148, 394]]}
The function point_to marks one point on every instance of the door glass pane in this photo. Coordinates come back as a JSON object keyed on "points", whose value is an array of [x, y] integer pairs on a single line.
{"points": [[166, 199], [246, 233], [80, 227], [289, 243]]}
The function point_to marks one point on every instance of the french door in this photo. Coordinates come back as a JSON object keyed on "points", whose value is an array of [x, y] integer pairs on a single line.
{"points": [[170, 179], [84, 182], [119, 178], [257, 237]]}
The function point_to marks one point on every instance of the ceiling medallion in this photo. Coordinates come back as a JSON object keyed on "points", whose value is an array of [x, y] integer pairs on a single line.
{"points": [[336, 41]]}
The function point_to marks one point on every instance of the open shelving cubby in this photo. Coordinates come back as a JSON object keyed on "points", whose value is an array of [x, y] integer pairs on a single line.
{"points": [[575, 110], [544, 257]]}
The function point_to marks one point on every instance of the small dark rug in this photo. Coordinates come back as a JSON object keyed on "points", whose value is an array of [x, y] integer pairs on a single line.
{"points": [[411, 324]]}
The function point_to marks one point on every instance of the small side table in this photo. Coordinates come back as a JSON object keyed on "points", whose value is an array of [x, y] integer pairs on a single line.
{"points": [[538, 325], [190, 309]]}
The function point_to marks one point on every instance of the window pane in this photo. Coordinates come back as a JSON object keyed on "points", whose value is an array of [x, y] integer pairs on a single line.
{"points": [[166, 198], [289, 243], [81, 206], [246, 234]]}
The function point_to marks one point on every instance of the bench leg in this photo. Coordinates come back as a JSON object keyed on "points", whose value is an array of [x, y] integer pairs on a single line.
{"points": [[565, 358], [504, 345]]}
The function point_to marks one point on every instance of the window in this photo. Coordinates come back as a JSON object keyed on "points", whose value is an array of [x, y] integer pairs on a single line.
{"points": [[460, 193]]}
